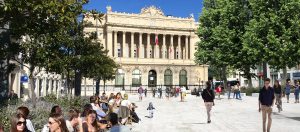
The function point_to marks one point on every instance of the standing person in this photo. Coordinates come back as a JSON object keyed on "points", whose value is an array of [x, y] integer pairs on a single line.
{"points": [[266, 102], [145, 92], [124, 112], [218, 91], [297, 92], [238, 91], [278, 94], [18, 124], [160, 92], [141, 92], [229, 90], [25, 111], [208, 97], [74, 122], [168, 92], [287, 90], [57, 123], [151, 110], [154, 91]]}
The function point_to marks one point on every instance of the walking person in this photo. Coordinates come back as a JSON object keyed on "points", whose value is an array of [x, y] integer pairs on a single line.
{"points": [[208, 97], [218, 91], [141, 92], [145, 92], [287, 90], [238, 91], [296, 93], [154, 91], [266, 102], [278, 95]]}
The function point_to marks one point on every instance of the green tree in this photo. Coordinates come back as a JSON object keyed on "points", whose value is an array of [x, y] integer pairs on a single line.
{"points": [[36, 22], [273, 33]]}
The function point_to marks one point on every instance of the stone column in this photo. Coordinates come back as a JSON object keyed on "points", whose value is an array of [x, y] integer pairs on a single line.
{"points": [[156, 47], [109, 41], [171, 54], [132, 45], [124, 46], [148, 47], [141, 46], [192, 46], [164, 47], [179, 47], [116, 43], [185, 47]]}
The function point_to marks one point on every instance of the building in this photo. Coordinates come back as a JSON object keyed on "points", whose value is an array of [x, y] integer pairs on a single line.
{"points": [[151, 48]]}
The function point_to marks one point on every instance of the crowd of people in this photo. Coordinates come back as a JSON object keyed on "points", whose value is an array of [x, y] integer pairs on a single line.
{"points": [[169, 92], [113, 113]]}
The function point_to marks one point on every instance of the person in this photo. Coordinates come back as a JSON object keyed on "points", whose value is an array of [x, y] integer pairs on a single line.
{"points": [[287, 90], [168, 92], [208, 97], [218, 91], [145, 92], [25, 111], [160, 92], [177, 91], [154, 91], [229, 90], [141, 92], [151, 110], [104, 102], [182, 93], [90, 125], [266, 102], [238, 94], [114, 122], [296, 93], [135, 117], [18, 123], [57, 123], [115, 103], [94, 100], [278, 94], [111, 97], [56, 109], [74, 122], [124, 111], [86, 109]]}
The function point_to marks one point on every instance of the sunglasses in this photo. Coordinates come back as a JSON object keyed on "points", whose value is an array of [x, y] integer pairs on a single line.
{"points": [[103, 121], [19, 123]]}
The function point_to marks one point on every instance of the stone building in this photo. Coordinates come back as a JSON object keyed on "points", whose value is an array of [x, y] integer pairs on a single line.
{"points": [[151, 48]]}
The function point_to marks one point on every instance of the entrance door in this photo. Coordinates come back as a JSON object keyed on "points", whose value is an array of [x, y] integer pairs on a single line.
{"points": [[152, 77]]}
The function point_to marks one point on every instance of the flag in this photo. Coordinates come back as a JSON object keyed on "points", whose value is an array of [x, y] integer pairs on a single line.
{"points": [[156, 40]]}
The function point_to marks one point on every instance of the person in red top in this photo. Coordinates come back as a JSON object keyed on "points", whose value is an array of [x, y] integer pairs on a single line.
{"points": [[219, 91]]}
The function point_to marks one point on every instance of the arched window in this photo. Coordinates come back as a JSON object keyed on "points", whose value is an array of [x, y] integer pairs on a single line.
{"points": [[120, 77], [136, 77], [168, 77], [182, 78]]}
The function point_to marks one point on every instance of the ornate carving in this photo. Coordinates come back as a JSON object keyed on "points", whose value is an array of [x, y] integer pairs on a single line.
{"points": [[151, 11]]}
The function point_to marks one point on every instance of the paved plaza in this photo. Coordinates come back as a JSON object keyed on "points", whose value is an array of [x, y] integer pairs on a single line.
{"points": [[227, 116]]}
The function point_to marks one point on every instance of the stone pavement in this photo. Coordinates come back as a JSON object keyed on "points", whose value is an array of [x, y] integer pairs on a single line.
{"points": [[227, 116]]}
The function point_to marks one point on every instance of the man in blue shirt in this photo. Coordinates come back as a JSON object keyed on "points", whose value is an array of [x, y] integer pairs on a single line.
{"points": [[266, 102]]}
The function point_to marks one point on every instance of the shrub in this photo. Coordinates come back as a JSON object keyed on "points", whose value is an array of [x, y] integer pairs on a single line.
{"points": [[249, 91]]}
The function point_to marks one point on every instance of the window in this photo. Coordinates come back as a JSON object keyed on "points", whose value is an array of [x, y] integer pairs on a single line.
{"points": [[134, 54], [120, 77], [119, 52], [168, 77], [182, 78], [177, 54], [136, 77]]}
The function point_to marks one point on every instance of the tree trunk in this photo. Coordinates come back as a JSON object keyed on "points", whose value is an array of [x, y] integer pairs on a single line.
{"points": [[78, 83], [97, 86], [284, 77], [104, 85], [31, 80], [68, 85], [249, 77], [265, 71], [224, 76]]}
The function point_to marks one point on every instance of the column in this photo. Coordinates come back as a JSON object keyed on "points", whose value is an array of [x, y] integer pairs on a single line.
{"points": [[116, 43], [179, 47], [109, 41], [185, 47], [132, 45], [140, 47], [124, 46], [148, 47], [164, 47], [156, 47], [192, 47], [171, 54]]}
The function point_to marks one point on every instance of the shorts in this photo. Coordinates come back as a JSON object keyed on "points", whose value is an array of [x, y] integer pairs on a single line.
{"points": [[140, 95]]}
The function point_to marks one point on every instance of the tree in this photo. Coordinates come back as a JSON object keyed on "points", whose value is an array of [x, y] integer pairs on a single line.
{"points": [[37, 22], [273, 33]]}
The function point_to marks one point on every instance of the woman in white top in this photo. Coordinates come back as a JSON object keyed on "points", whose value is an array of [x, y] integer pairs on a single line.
{"points": [[124, 111]]}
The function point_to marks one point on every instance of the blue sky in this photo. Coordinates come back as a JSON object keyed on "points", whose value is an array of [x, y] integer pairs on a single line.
{"points": [[177, 8]]}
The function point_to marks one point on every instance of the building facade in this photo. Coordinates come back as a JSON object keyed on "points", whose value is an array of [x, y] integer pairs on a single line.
{"points": [[151, 48]]}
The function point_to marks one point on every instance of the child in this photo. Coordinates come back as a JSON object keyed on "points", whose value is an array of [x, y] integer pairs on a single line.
{"points": [[150, 108]]}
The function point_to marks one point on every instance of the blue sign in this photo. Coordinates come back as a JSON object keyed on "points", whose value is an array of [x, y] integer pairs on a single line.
{"points": [[24, 79]]}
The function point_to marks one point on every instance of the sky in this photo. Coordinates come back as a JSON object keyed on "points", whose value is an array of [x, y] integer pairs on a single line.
{"points": [[176, 8]]}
